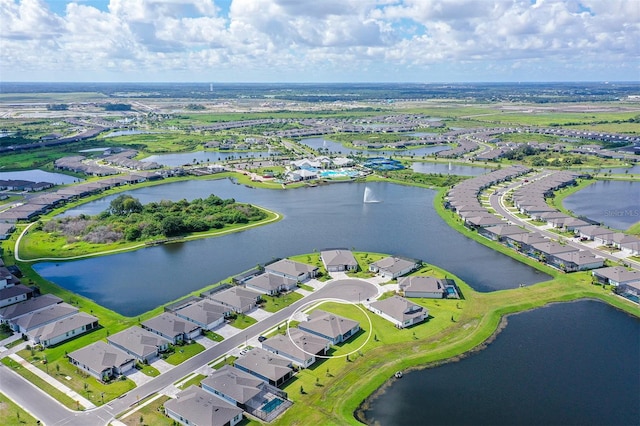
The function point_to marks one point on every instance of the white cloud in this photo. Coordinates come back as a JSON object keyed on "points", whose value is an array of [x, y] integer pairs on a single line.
{"points": [[321, 39]]}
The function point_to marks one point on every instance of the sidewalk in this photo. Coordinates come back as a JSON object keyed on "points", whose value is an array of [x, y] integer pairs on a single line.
{"points": [[53, 382]]}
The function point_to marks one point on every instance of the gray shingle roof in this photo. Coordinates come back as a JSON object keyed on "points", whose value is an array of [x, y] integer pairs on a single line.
{"points": [[201, 408], [400, 308], [100, 356], [44, 316], [265, 363], [138, 341], [328, 324], [169, 325], [235, 383]]}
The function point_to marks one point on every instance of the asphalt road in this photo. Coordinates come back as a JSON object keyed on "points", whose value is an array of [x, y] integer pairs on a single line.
{"points": [[52, 413]]}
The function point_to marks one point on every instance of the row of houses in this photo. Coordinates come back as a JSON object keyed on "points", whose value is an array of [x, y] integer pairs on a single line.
{"points": [[251, 384], [463, 198], [46, 320], [23, 185], [43, 203], [530, 200]]}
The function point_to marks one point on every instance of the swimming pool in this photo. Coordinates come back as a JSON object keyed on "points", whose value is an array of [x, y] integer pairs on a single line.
{"points": [[338, 173], [271, 405]]}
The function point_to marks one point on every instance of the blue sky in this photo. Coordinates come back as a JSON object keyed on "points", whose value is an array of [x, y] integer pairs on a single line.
{"points": [[320, 40]]}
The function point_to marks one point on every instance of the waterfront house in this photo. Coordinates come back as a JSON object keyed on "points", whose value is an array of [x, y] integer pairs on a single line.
{"points": [[172, 328], [616, 276], [139, 343], [102, 361], [400, 311], [14, 294], [62, 330], [42, 317], [6, 229], [498, 232], [393, 267], [195, 407], [545, 251], [271, 284], [266, 365], [292, 269], [524, 242], [247, 392], [581, 260], [338, 260], [423, 286], [333, 327], [11, 313], [205, 313], [593, 231], [239, 299], [297, 345]]}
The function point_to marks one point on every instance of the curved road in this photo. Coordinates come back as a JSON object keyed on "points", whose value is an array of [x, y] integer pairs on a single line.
{"points": [[52, 413]]}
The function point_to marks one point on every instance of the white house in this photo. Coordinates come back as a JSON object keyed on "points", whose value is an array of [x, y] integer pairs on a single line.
{"points": [[392, 267]]}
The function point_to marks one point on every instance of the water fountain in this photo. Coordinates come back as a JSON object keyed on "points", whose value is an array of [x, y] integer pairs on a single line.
{"points": [[369, 197]]}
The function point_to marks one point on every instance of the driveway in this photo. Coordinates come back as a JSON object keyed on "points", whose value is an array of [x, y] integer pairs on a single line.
{"points": [[259, 314], [161, 365], [227, 331], [205, 341]]}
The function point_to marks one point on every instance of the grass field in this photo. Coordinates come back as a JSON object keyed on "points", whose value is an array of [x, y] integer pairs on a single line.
{"points": [[12, 415], [183, 353]]}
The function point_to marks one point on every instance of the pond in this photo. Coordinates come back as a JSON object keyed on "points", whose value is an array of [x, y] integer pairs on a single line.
{"points": [[180, 159], [617, 203], [448, 169], [39, 176], [336, 147], [564, 364], [404, 223]]}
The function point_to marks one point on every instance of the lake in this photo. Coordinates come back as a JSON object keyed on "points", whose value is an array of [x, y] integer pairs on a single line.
{"points": [[404, 224], [564, 364], [39, 176], [176, 160], [335, 147], [448, 169], [617, 206]]}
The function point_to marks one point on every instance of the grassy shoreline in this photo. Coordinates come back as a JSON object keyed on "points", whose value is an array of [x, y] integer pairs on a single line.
{"points": [[342, 393]]}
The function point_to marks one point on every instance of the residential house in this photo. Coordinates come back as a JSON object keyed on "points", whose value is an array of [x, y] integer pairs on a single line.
{"points": [[6, 229], [292, 269], [265, 365], [14, 294], [497, 233], [545, 251], [593, 231], [616, 276], [139, 343], [62, 330], [400, 311], [393, 267], [172, 328], [333, 327], [298, 346], [11, 313], [42, 317], [195, 407], [245, 391], [205, 313], [631, 248], [239, 299], [102, 361], [577, 261], [524, 242], [423, 286], [338, 260], [271, 284]]}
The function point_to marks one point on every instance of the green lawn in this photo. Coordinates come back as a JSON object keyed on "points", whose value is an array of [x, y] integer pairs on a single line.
{"points": [[76, 379], [306, 287], [275, 303], [195, 380], [147, 369], [228, 360], [151, 414], [242, 321], [213, 336], [183, 353], [13, 415]]}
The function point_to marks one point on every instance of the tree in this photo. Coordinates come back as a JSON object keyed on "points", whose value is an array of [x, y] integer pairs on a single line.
{"points": [[123, 205]]}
